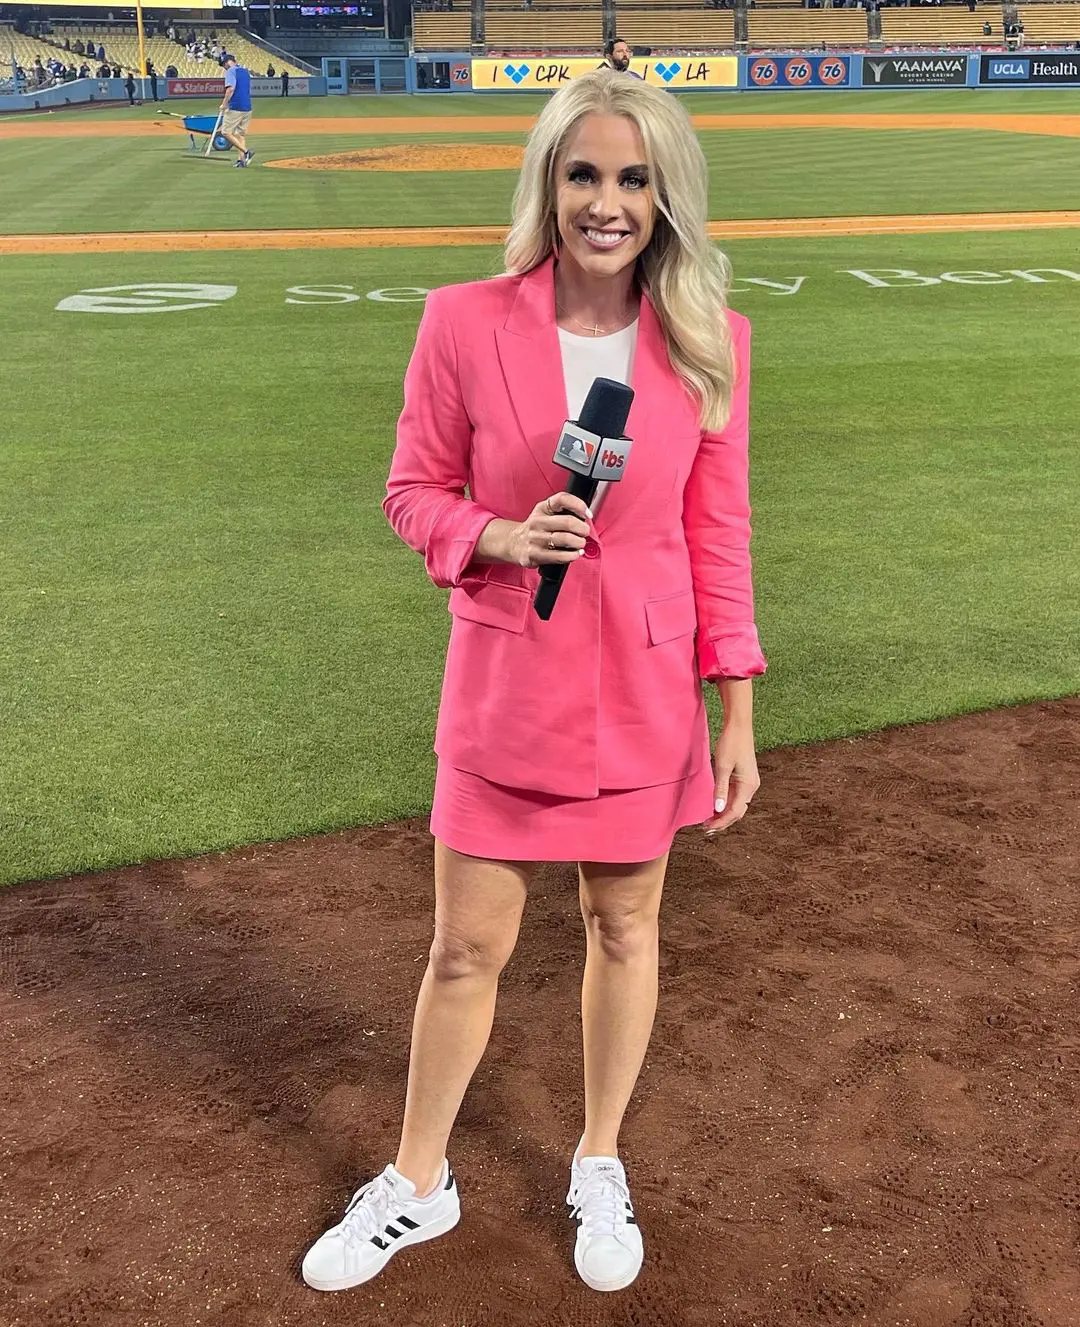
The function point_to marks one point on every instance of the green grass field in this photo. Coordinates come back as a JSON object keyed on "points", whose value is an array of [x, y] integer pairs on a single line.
{"points": [[208, 634]]}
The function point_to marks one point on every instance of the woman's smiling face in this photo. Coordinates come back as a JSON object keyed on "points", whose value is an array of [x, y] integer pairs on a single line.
{"points": [[604, 200]]}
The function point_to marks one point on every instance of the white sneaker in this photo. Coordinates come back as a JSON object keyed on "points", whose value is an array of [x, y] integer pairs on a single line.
{"points": [[609, 1251], [382, 1217]]}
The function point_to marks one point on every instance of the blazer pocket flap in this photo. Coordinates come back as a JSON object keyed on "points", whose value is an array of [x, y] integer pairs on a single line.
{"points": [[671, 617], [493, 603]]}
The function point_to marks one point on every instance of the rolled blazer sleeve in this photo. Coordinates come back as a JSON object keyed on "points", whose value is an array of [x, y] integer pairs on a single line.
{"points": [[425, 492], [717, 520]]}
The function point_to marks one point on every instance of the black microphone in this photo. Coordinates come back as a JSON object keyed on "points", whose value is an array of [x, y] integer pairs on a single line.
{"points": [[592, 448]]}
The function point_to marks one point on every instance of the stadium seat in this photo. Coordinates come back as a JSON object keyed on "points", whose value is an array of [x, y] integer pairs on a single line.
{"points": [[563, 30], [797, 28], [1051, 24], [442, 32], [677, 28], [937, 26]]}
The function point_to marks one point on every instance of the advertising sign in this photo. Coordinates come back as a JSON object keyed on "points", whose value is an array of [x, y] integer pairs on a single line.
{"points": [[914, 71], [461, 75], [677, 73], [215, 87], [196, 87], [271, 87], [799, 71], [1047, 67]]}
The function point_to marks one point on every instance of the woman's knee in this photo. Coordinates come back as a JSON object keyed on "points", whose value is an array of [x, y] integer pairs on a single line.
{"points": [[621, 910], [456, 954]]}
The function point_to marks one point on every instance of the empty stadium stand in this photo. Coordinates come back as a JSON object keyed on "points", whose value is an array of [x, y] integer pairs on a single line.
{"points": [[935, 25], [794, 29], [556, 30], [1051, 24], [665, 29], [442, 32]]}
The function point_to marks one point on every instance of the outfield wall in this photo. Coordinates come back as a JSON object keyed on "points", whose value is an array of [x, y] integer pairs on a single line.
{"points": [[458, 71], [86, 90]]}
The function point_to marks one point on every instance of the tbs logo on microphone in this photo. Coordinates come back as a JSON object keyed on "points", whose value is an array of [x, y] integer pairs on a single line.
{"points": [[590, 455]]}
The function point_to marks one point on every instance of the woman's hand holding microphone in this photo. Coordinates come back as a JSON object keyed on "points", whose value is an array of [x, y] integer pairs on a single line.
{"points": [[554, 532]]}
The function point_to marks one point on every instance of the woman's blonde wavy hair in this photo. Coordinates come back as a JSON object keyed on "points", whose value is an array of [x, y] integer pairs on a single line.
{"points": [[684, 275]]}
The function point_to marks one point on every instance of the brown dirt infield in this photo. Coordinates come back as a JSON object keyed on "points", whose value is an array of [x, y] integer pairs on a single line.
{"points": [[173, 241], [1056, 125], [860, 1106], [413, 156]]}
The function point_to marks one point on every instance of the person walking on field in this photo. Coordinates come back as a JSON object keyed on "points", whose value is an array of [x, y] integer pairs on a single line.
{"points": [[284, 82], [237, 108], [610, 273]]}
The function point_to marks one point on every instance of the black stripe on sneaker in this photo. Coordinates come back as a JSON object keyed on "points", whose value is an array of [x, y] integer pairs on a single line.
{"points": [[449, 1180], [379, 1243], [407, 1223], [393, 1230]]}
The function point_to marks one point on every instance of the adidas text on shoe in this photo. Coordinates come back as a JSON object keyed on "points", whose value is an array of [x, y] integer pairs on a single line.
{"points": [[382, 1217], [609, 1252]]}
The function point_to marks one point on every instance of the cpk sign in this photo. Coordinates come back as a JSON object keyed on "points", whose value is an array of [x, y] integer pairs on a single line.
{"points": [[915, 71]]}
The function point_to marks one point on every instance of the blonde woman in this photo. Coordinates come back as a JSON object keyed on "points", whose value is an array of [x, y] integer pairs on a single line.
{"points": [[583, 738]]}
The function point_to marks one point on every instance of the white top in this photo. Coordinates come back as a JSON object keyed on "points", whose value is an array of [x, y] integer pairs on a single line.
{"points": [[587, 357]]}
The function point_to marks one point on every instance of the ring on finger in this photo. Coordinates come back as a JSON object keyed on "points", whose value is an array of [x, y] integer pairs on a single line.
{"points": [[551, 542]]}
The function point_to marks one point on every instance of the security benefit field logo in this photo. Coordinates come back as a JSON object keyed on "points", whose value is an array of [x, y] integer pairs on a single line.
{"points": [[178, 297]]}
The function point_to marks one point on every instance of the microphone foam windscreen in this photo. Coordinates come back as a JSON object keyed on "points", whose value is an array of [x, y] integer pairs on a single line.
{"points": [[606, 408]]}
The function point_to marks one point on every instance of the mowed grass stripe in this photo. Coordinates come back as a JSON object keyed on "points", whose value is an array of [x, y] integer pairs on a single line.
{"points": [[401, 237], [110, 185], [902, 101]]}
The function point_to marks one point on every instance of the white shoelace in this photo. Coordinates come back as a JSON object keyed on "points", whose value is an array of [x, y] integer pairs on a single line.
{"points": [[369, 1210], [600, 1200]]}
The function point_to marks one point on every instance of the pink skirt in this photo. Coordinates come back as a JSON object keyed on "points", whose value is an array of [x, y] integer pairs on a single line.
{"points": [[482, 819]]}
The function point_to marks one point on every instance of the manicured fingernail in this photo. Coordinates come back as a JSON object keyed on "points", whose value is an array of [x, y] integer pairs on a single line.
{"points": [[580, 553], [588, 513], [720, 804]]}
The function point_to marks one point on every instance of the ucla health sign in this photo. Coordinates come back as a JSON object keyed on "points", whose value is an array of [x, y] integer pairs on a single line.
{"points": [[799, 71], [677, 73], [1047, 67]]}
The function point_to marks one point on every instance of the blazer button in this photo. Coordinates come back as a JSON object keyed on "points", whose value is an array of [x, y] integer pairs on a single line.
{"points": [[592, 548]]}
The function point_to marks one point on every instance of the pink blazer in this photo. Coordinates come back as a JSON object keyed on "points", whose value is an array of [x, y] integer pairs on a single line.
{"points": [[606, 694]]}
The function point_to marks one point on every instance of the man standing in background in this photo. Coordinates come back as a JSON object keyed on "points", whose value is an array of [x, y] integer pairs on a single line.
{"points": [[236, 108], [617, 56], [284, 82]]}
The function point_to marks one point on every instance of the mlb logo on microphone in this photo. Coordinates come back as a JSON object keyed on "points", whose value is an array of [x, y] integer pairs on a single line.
{"points": [[575, 452]]}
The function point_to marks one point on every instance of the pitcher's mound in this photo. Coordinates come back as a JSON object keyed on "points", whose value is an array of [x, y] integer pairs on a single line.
{"points": [[414, 156]]}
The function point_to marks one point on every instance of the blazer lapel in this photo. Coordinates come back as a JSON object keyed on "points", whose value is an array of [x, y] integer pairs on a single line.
{"points": [[531, 361], [656, 389]]}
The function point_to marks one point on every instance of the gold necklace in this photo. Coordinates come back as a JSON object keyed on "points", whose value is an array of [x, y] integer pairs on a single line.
{"points": [[595, 329]]}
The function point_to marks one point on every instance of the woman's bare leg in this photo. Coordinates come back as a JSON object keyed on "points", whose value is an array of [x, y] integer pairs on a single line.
{"points": [[478, 907], [620, 905]]}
